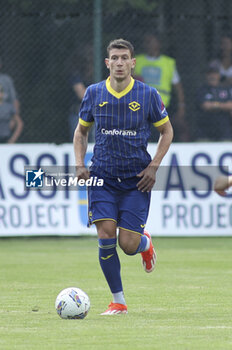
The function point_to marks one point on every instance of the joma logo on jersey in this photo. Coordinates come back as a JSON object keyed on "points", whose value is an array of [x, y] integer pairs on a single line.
{"points": [[103, 103], [134, 106]]}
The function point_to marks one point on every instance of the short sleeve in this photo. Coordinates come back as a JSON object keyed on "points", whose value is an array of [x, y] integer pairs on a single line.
{"points": [[85, 114], [158, 113]]}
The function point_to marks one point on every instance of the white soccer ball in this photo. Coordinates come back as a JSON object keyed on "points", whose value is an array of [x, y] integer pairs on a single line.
{"points": [[72, 303]]}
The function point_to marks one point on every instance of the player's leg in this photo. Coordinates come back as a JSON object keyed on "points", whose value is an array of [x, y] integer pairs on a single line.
{"points": [[103, 212], [110, 264], [108, 256], [134, 208], [132, 243]]}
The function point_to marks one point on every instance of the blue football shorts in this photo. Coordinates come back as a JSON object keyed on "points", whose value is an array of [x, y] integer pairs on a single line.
{"points": [[119, 200]]}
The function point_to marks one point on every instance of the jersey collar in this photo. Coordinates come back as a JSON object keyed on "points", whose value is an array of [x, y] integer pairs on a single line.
{"points": [[123, 92]]}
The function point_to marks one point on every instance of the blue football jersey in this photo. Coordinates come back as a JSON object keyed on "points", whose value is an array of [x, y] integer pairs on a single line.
{"points": [[122, 126]]}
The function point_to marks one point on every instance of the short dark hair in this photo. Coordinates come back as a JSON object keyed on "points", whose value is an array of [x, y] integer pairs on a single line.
{"points": [[120, 44]]}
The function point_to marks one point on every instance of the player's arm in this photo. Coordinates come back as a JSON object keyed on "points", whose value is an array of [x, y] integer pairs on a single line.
{"points": [[165, 139], [222, 183], [148, 175], [80, 141], [80, 138]]}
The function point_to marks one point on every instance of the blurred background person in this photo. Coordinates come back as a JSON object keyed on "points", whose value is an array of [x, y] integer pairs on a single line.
{"points": [[11, 124], [159, 70], [80, 76], [215, 108], [224, 60]]}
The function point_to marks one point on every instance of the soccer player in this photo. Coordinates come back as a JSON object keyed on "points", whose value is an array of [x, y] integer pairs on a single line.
{"points": [[222, 183], [123, 110]]}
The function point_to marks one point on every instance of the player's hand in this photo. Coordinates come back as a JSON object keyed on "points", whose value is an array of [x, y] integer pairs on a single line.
{"points": [[148, 177], [82, 173], [221, 184]]}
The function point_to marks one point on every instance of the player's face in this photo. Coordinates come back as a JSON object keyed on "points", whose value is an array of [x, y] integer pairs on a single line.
{"points": [[120, 64]]}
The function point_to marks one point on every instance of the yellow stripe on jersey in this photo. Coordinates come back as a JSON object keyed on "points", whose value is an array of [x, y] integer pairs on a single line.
{"points": [[123, 92], [161, 122], [84, 123]]}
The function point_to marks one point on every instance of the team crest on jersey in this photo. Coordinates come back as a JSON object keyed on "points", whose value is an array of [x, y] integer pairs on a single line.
{"points": [[134, 106]]}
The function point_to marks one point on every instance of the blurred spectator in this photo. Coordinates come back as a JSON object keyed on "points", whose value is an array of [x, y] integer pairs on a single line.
{"points": [[159, 71], [80, 75], [215, 108], [224, 60], [11, 124]]}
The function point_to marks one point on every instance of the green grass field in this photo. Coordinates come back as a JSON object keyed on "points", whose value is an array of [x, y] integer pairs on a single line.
{"points": [[186, 303]]}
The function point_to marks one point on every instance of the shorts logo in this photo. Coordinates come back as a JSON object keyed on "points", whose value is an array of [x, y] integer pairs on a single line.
{"points": [[103, 103], [142, 226], [134, 106], [34, 178]]}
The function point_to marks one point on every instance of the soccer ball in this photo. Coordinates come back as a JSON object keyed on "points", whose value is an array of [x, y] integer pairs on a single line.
{"points": [[72, 303]]}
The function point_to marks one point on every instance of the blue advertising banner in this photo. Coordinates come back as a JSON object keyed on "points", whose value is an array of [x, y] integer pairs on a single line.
{"points": [[183, 203]]}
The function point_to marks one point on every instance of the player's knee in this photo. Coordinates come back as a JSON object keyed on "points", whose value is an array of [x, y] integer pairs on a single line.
{"points": [[106, 229], [128, 247], [105, 234]]}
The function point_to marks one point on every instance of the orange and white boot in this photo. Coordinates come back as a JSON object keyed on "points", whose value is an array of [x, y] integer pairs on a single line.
{"points": [[115, 309], [149, 256]]}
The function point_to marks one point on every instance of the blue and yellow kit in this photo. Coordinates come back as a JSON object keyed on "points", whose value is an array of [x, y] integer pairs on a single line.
{"points": [[122, 126], [122, 129]]}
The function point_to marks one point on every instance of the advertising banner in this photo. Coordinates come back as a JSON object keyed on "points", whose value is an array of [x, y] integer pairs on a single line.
{"points": [[183, 203]]}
